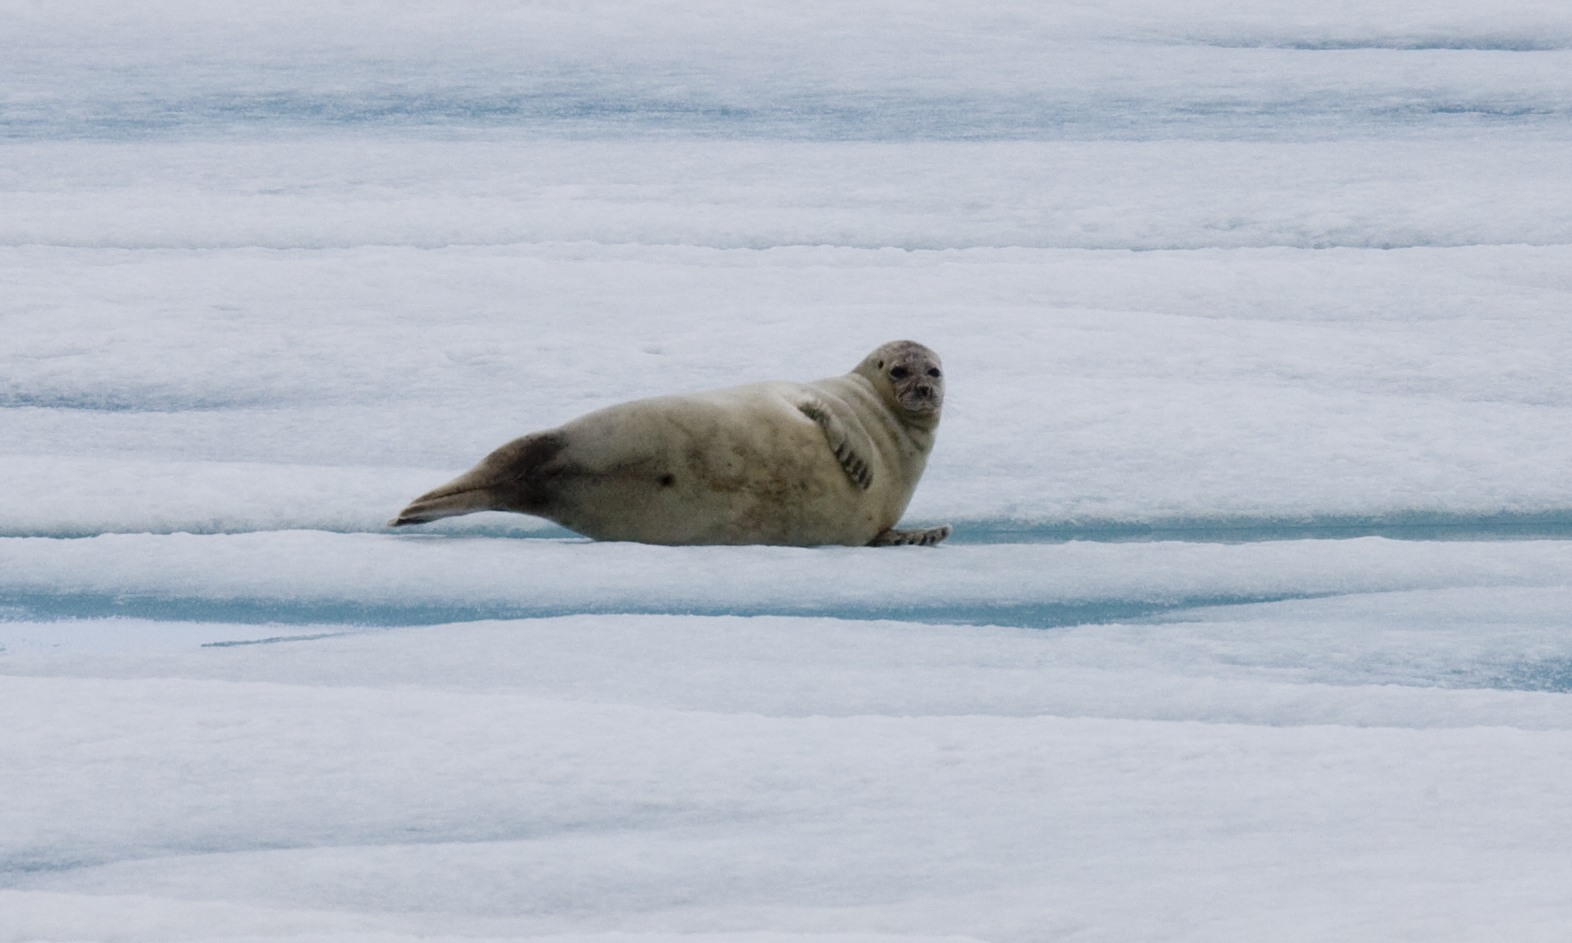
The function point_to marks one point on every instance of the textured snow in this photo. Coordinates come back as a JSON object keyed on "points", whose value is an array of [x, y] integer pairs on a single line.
{"points": [[1255, 622]]}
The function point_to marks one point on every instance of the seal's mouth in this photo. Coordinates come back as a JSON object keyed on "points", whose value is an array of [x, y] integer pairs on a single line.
{"points": [[920, 397]]}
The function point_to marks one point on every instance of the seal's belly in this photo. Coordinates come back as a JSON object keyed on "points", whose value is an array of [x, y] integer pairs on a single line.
{"points": [[710, 469]]}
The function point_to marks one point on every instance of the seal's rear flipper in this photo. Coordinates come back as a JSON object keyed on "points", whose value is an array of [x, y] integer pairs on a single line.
{"points": [[447, 501], [918, 538], [512, 478]]}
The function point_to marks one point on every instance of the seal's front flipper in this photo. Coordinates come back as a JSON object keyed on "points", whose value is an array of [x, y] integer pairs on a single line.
{"points": [[840, 439], [916, 538]]}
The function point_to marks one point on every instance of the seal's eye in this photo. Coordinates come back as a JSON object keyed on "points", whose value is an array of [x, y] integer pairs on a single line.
{"points": [[899, 373], [934, 372]]}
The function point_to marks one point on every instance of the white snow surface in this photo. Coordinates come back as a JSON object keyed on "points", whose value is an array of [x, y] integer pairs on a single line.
{"points": [[1255, 622]]}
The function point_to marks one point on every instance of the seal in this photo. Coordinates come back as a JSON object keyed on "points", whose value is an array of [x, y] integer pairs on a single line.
{"points": [[834, 461]]}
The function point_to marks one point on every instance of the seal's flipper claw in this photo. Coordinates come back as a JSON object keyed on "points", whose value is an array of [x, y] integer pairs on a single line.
{"points": [[915, 538]]}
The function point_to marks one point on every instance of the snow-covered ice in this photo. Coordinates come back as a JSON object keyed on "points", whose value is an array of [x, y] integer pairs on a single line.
{"points": [[1257, 619]]}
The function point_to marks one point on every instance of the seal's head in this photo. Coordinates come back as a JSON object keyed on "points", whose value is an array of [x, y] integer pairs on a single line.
{"points": [[909, 377]]}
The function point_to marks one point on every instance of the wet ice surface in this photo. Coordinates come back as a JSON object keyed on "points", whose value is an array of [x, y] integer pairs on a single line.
{"points": [[1254, 624]]}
